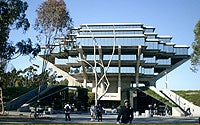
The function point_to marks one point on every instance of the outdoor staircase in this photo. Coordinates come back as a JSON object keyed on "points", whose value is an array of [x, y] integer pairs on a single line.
{"points": [[181, 110], [27, 97], [19, 101], [41, 93], [180, 103], [49, 91]]}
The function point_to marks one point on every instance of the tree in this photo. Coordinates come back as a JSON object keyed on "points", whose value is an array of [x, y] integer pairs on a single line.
{"points": [[13, 16], [195, 56], [15, 78], [53, 20]]}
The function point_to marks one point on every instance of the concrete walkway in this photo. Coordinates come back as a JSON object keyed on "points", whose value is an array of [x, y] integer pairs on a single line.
{"points": [[23, 117]]}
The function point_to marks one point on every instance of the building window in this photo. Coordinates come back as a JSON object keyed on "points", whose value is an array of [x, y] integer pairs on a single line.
{"points": [[128, 57], [146, 71], [107, 57], [110, 32], [113, 70], [91, 57], [152, 45], [150, 37], [72, 59], [149, 59], [105, 41], [161, 47], [169, 49], [110, 41], [110, 69], [164, 61], [110, 26], [127, 69], [89, 69], [85, 41], [129, 41], [129, 32], [181, 51], [74, 70], [149, 71], [166, 40], [60, 61], [149, 30]]}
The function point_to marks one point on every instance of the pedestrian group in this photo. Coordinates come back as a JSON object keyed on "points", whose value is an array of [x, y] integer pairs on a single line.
{"points": [[125, 114]]}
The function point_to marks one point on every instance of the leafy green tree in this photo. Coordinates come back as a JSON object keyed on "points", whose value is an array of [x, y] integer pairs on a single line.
{"points": [[195, 56], [63, 82], [27, 78], [31, 79], [16, 78], [13, 16], [12, 78], [29, 74]]}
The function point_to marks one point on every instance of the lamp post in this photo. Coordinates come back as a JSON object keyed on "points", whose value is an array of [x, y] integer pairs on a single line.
{"points": [[37, 100], [166, 80]]}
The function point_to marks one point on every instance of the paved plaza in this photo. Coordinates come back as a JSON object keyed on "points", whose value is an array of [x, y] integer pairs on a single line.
{"points": [[20, 117]]}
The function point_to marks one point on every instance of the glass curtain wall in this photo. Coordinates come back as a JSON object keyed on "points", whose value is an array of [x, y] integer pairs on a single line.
{"points": [[124, 41]]}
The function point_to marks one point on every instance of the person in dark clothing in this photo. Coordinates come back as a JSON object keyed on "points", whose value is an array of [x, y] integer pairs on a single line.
{"points": [[125, 113], [67, 109], [99, 111]]}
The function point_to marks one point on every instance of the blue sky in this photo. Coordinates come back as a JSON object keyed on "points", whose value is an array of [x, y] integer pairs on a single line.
{"points": [[170, 17]]}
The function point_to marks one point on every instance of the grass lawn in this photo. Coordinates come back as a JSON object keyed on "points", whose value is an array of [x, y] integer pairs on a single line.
{"points": [[190, 95]]}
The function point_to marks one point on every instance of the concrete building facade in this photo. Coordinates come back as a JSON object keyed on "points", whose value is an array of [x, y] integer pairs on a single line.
{"points": [[114, 57]]}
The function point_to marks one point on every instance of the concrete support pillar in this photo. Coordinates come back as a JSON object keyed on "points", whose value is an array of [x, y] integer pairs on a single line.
{"points": [[138, 65], [101, 69], [133, 93], [84, 67], [131, 98], [119, 72]]}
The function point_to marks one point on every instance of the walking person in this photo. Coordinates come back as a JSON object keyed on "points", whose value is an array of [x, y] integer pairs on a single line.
{"points": [[67, 109], [125, 113], [92, 112], [99, 111], [151, 110], [166, 110]]}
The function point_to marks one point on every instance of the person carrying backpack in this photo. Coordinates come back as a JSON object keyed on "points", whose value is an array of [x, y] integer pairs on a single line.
{"points": [[67, 109], [99, 111]]}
